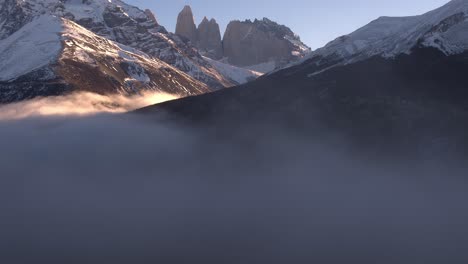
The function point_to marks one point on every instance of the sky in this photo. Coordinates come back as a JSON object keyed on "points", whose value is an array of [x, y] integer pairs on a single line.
{"points": [[316, 21]]}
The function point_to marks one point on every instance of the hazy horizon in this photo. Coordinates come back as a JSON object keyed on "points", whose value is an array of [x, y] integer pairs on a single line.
{"points": [[316, 22]]}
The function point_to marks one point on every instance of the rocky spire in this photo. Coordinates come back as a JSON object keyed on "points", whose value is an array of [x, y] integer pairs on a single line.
{"points": [[209, 39], [186, 25]]}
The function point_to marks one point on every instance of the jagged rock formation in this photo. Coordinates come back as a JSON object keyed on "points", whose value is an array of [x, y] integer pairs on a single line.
{"points": [[120, 22], [262, 45], [186, 25], [209, 39], [250, 43]]}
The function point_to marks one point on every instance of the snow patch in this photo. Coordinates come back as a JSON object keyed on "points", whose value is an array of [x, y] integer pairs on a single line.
{"points": [[265, 67], [303, 49], [239, 75], [137, 73], [82, 56], [35, 45]]}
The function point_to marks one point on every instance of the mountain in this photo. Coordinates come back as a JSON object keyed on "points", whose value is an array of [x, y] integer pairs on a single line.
{"points": [[54, 56], [444, 29], [261, 46], [119, 22], [249, 44], [386, 87]]}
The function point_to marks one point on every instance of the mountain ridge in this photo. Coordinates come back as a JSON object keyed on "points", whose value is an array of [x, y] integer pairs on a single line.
{"points": [[61, 57], [391, 36]]}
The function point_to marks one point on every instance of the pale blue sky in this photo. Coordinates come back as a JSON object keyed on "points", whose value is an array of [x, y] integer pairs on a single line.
{"points": [[316, 21]]}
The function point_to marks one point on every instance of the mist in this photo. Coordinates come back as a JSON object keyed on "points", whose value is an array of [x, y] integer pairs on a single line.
{"points": [[127, 189], [81, 104]]}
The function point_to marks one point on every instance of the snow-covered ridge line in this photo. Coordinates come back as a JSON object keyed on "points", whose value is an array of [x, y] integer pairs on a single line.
{"points": [[445, 28], [390, 36]]}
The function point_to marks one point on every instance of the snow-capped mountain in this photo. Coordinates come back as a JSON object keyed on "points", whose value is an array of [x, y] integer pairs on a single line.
{"points": [[444, 29], [397, 83], [52, 56], [119, 22]]}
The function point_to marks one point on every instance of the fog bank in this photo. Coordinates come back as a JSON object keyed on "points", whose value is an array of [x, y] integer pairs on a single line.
{"points": [[113, 189], [81, 104]]}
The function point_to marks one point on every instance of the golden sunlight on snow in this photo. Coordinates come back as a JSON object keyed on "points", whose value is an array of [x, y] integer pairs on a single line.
{"points": [[81, 104]]}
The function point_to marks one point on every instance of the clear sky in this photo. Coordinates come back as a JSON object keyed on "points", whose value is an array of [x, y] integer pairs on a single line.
{"points": [[316, 21]]}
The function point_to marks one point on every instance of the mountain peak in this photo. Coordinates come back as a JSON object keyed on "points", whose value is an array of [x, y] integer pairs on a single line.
{"points": [[187, 9], [186, 24], [209, 39], [208, 21]]}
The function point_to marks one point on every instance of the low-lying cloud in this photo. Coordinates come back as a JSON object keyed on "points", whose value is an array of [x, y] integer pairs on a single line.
{"points": [[81, 104], [113, 189]]}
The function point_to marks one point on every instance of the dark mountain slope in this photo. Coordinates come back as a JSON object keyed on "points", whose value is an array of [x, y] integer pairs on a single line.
{"points": [[417, 101]]}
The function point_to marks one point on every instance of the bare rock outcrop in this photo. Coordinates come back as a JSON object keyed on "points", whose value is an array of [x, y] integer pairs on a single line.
{"points": [[186, 25], [209, 39], [248, 43]]}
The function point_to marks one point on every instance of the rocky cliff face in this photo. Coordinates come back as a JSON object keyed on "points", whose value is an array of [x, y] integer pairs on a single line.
{"points": [[186, 25], [209, 39], [250, 43]]}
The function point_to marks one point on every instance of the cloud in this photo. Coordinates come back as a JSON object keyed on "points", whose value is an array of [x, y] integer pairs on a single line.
{"points": [[124, 189], [81, 104]]}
